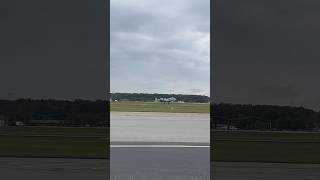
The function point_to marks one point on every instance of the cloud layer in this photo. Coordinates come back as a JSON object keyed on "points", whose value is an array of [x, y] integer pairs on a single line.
{"points": [[160, 46], [267, 52], [52, 49]]}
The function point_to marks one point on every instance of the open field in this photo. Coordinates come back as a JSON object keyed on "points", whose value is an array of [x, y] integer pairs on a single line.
{"points": [[160, 107], [54, 142], [54, 131], [255, 146]]}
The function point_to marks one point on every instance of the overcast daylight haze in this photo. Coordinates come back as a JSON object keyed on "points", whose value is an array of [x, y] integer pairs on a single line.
{"points": [[160, 46], [267, 52], [53, 49]]}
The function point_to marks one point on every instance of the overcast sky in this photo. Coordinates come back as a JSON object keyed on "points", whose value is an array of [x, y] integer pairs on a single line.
{"points": [[53, 49], [267, 52], [160, 46]]}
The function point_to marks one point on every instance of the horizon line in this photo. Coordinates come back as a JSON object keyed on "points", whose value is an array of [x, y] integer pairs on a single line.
{"points": [[159, 93]]}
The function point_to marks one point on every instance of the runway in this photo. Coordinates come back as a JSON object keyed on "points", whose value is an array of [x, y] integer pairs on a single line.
{"points": [[160, 146], [159, 127]]}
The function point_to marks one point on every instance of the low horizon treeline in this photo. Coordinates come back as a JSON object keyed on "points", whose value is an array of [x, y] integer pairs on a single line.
{"points": [[72, 112], [264, 117], [151, 97]]}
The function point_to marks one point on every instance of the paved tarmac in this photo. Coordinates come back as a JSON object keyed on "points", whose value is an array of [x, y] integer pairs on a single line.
{"points": [[53, 169], [159, 127], [160, 146], [160, 163], [264, 171]]}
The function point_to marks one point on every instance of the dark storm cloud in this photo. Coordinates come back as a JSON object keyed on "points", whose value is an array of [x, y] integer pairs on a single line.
{"points": [[53, 49], [267, 52]]}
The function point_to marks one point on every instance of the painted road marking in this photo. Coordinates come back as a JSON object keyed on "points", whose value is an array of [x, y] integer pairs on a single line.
{"points": [[158, 146]]}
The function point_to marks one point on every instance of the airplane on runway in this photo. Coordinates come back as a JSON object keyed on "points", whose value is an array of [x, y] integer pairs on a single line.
{"points": [[166, 100]]}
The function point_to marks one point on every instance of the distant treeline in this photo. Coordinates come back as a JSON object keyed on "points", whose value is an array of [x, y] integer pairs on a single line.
{"points": [[264, 117], [151, 97], [68, 113]]}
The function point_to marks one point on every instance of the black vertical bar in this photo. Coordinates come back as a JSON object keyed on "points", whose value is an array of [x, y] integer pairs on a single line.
{"points": [[107, 58], [211, 85]]}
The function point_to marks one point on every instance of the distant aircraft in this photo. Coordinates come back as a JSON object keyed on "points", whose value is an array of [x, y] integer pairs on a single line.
{"points": [[166, 100]]}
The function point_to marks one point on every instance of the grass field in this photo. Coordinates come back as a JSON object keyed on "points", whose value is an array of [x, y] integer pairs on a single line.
{"points": [[54, 142], [254, 146], [159, 107]]}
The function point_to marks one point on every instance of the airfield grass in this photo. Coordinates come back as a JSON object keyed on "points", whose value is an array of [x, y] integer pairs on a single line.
{"points": [[54, 142], [255, 146], [54, 131], [235, 146], [160, 107]]}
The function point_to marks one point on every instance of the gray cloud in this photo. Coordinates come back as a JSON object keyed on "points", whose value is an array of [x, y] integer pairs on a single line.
{"points": [[160, 46], [266, 52], [270, 91], [53, 49]]}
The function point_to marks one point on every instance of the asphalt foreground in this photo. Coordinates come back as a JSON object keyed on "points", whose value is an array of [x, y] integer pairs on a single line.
{"points": [[264, 171], [160, 163], [96, 169], [53, 169]]}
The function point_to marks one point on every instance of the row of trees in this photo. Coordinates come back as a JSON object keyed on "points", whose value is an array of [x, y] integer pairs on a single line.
{"points": [[264, 117], [73, 113], [151, 97], [95, 113]]}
